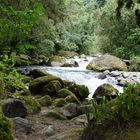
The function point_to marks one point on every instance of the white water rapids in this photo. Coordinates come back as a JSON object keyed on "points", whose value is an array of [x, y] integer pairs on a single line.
{"points": [[80, 75]]}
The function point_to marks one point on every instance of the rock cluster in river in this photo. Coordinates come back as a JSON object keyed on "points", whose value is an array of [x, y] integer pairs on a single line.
{"points": [[122, 77]]}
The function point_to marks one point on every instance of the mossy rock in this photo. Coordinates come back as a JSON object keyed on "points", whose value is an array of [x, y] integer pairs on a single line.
{"points": [[36, 86], [106, 90], [59, 102], [2, 88], [52, 87], [38, 73], [80, 91], [33, 106], [56, 61], [45, 101], [55, 115], [72, 99], [67, 54], [107, 62], [5, 128], [63, 93]]}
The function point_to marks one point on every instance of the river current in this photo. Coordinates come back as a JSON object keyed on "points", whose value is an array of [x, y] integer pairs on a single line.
{"points": [[79, 74]]}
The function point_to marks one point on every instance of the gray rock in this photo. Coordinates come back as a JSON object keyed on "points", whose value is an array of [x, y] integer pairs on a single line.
{"points": [[107, 62], [22, 124], [70, 63], [84, 109], [122, 83], [14, 108], [70, 110], [49, 131], [101, 76]]}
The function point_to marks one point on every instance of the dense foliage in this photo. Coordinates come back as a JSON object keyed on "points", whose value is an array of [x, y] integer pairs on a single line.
{"points": [[117, 36], [84, 26], [5, 128]]}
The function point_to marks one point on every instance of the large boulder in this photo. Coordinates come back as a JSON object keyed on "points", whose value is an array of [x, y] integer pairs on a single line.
{"points": [[36, 86], [70, 110], [14, 108], [70, 63], [52, 87], [72, 99], [63, 93], [45, 100], [106, 90], [80, 91], [107, 62], [56, 61], [38, 73], [59, 102]]}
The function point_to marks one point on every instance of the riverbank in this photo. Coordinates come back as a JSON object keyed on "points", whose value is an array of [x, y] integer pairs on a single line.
{"points": [[48, 102]]}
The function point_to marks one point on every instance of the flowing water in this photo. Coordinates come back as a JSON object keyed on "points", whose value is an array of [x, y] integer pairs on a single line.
{"points": [[79, 75]]}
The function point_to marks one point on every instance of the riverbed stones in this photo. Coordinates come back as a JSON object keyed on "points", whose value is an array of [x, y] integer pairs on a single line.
{"points": [[101, 76], [106, 90], [107, 62], [122, 78], [14, 108]]}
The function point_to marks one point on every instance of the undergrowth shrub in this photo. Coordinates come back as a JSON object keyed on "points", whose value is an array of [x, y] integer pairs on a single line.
{"points": [[116, 114], [5, 128]]}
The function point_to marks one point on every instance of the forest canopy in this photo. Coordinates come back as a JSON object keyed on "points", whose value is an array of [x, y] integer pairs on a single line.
{"points": [[85, 26]]}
